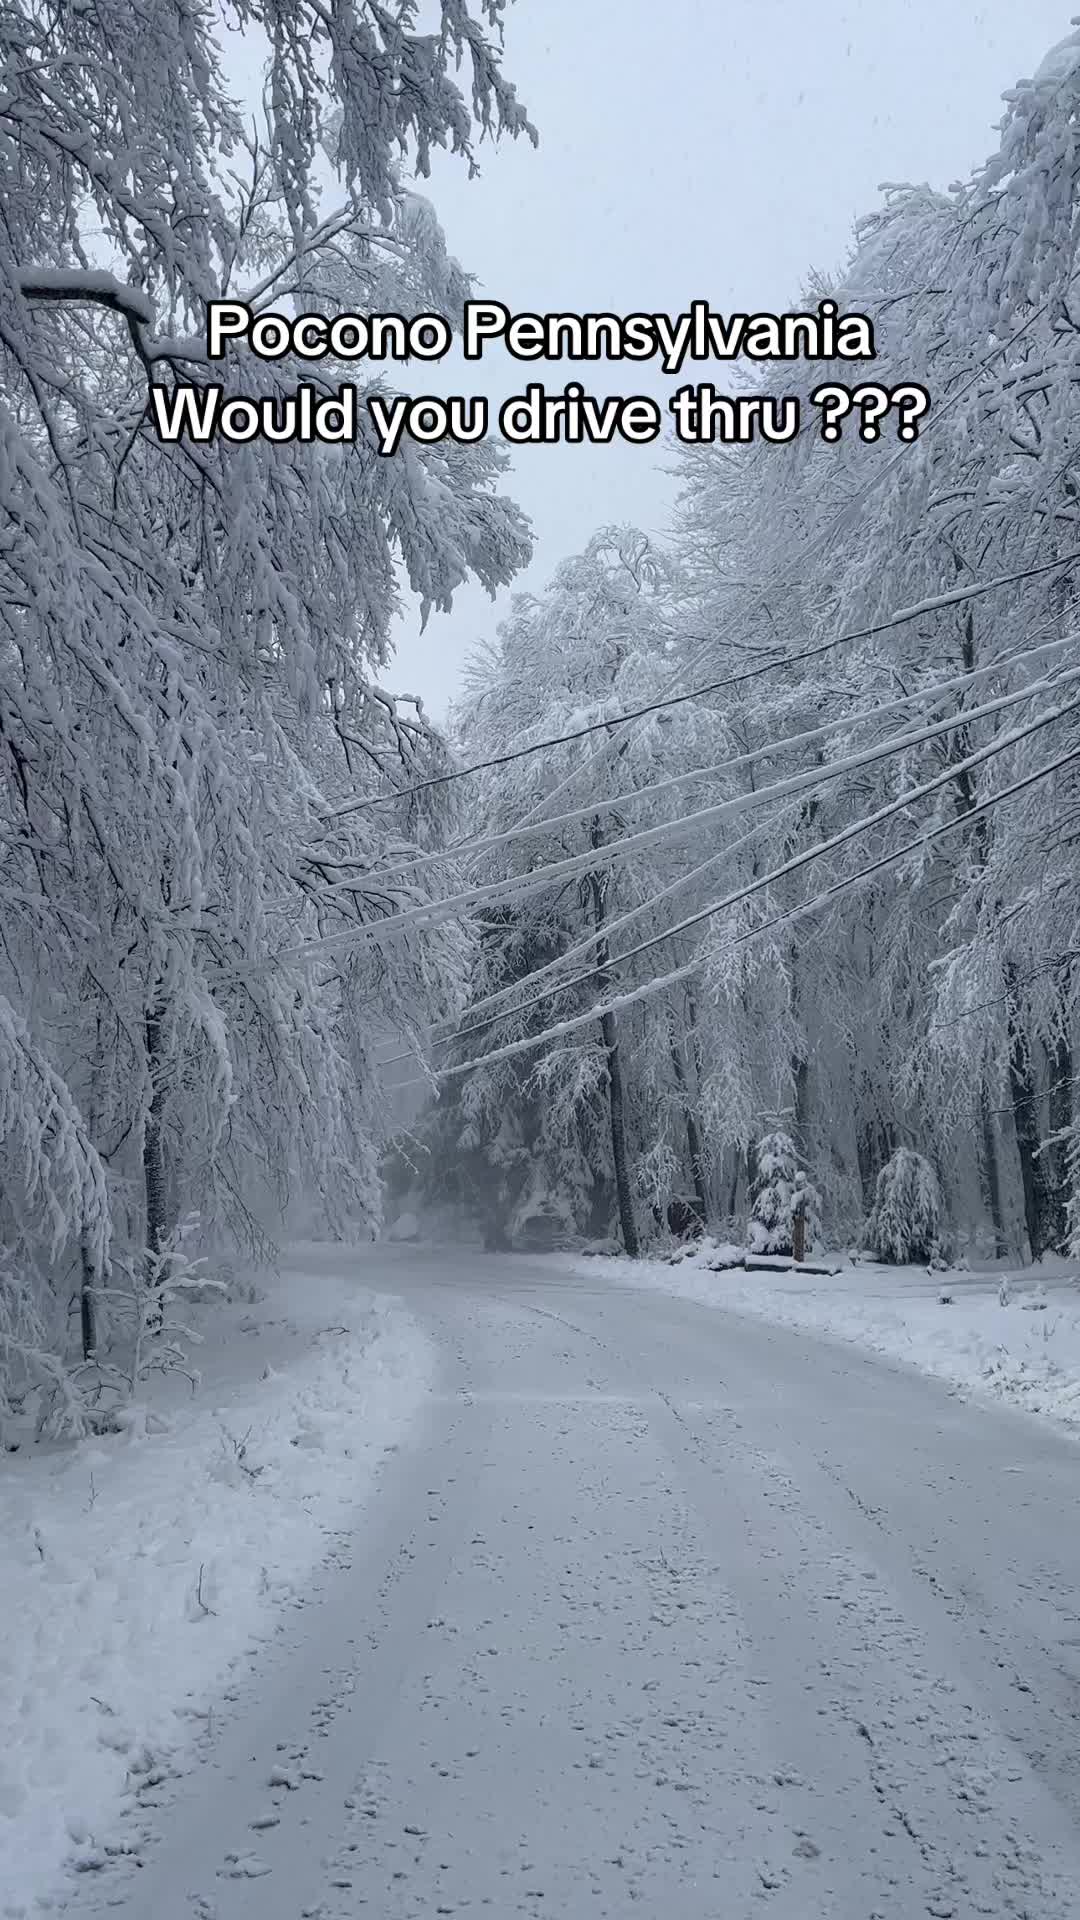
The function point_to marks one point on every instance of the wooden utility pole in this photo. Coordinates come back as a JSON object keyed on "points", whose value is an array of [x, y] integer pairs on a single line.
{"points": [[798, 1231], [610, 1034]]}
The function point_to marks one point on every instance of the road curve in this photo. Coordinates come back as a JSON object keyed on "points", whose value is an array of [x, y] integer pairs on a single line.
{"points": [[661, 1611]]}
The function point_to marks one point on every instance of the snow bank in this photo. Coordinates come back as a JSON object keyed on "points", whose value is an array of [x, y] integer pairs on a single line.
{"points": [[139, 1571], [1025, 1351]]}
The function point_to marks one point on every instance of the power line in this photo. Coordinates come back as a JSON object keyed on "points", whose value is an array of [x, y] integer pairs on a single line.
{"points": [[620, 1002], [794, 865], [541, 878], [589, 973], [811, 546], [952, 400], [529, 828], [954, 597], [1001, 348], [809, 549], [457, 1032], [855, 505]]}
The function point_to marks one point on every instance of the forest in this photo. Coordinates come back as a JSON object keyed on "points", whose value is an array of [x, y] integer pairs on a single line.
{"points": [[743, 882]]}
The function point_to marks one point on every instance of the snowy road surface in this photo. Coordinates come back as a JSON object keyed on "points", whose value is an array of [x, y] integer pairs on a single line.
{"points": [[662, 1612]]}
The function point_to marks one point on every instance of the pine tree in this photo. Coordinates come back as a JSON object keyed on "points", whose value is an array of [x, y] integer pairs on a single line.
{"points": [[906, 1223], [782, 1191]]}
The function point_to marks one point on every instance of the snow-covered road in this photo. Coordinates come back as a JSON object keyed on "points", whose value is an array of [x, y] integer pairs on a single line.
{"points": [[660, 1611]]}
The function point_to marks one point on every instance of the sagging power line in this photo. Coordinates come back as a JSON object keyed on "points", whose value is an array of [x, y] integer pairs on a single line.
{"points": [[955, 596]]}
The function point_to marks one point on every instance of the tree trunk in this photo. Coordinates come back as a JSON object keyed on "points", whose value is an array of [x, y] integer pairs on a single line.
{"points": [[967, 796], [89, 1272], [489, 1201], [616, 1093], [800, 1075], [155, 1177], [693, 1147], [875, 1143], [988, 1167], [1025, 1108], [736, 1176], [800, 1063], [88, 1301], [618, 1135], [693, 1132], [1061, 1117]]}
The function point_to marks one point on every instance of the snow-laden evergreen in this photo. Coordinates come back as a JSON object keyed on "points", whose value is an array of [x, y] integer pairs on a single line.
{"points": [[782, 1193], [906, 1221]]}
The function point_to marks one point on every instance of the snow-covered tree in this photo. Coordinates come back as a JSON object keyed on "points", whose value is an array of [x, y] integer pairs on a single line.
{"points": [[906, 1221], [782, 1192], [613, 1114], [855, 898], [938, 994], [191, 636], [857, 883]]}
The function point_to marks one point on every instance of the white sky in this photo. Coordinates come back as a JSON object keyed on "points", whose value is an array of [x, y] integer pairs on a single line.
{"points": [[711, 149]]}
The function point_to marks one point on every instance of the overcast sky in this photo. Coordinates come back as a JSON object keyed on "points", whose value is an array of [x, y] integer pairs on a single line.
{"points": [[710, 149]]}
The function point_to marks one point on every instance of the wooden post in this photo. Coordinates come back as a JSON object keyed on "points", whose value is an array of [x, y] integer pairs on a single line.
{"points": [[798, 1232]]}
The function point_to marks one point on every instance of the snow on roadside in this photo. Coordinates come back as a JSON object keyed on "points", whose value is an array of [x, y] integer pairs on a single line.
{"points": [[1025, 1352], [139, 1572]]}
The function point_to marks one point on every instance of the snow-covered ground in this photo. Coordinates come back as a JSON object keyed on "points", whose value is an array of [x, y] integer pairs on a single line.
{"points": [[139, 1573], [660, 1611], [1011, 1333]]}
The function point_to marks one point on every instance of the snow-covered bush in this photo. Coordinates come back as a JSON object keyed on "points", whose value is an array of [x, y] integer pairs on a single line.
{"points": [[782, 1189], [905, 1223], [142, 1311]]}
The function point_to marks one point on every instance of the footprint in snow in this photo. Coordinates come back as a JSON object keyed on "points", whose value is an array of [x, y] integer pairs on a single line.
{"points": [[243, 1866]]}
